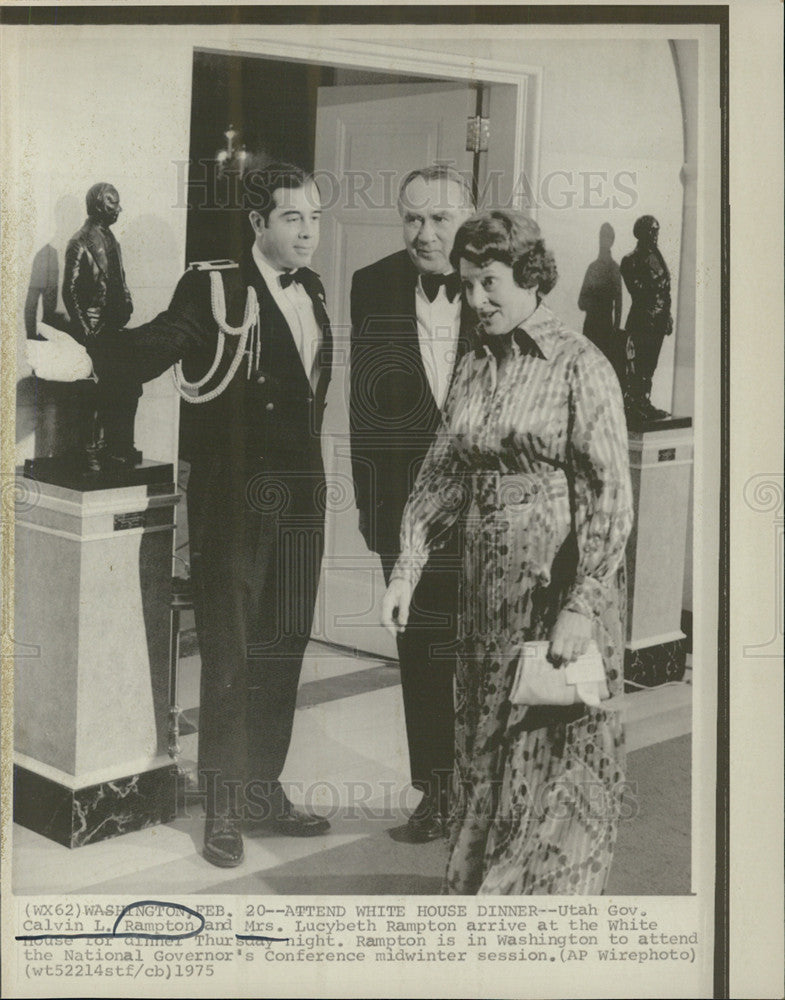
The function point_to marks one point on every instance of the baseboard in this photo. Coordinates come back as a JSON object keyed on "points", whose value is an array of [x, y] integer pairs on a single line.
{"points": [[657, 715]]}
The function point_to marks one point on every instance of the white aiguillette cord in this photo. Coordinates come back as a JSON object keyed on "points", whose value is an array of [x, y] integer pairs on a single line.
{"points": [[249, 342]]}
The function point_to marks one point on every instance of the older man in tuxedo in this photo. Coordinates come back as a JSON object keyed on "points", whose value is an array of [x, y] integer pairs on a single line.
{"points": [[409, 329], [255, 493]]}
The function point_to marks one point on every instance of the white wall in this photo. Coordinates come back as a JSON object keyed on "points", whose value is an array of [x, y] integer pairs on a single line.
{"points": [[611, 106], [99, 104], [114, 104], [628, 120]]}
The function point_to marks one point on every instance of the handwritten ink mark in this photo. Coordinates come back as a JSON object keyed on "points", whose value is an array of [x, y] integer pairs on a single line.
{"points": [[126, 934], [258, 937]]}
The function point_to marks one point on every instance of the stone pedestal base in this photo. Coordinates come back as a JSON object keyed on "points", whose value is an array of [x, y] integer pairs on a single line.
{"points": [[77, 816], [651, 666]]}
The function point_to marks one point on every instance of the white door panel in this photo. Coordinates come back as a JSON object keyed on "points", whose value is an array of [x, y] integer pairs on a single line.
{"points": [[367, 139]]}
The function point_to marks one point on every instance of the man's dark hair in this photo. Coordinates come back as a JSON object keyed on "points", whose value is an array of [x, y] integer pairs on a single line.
{"points": [[259, 186]]}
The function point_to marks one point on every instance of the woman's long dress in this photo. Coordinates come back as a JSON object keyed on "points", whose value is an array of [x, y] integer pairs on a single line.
{"points": [[531, 464]]}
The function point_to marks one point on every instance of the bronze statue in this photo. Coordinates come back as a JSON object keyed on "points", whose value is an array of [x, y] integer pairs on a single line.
{"points": [[600, 299], [97, 298], [649, 320]]}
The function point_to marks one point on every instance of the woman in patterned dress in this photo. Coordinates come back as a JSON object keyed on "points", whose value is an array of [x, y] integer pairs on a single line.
{"points": [[531, 464]]}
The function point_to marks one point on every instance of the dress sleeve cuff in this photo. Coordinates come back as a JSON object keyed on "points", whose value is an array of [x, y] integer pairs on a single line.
{"points": [[587, 597], [409, 567]]}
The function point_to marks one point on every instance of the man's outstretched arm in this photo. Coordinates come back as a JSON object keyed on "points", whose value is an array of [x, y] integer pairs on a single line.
{"points": [[144, 352]]}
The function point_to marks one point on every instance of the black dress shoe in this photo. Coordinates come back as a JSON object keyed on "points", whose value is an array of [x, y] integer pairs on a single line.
{"points": [[426, 822], [294, 823], [422, 829], [287, 821], [223, 842]]}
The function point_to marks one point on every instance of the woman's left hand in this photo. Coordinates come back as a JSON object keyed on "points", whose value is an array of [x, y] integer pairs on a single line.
{"points": [[570, 637]]}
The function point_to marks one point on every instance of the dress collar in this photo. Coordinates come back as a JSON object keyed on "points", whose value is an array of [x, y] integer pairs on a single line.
{"points": [[531, 337]]}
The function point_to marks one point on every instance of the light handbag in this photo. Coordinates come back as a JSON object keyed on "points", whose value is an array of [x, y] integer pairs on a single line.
{"points": [[539, 682]]}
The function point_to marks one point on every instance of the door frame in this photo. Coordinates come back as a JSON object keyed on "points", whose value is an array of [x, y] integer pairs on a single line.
{"points": [[450, 67], [361, 54]]}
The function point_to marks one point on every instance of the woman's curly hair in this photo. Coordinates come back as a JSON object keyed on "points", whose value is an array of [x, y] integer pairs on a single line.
{"points": [[511, 238]]}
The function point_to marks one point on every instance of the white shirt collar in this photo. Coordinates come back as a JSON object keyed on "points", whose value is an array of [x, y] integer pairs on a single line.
{"points": [[268, 272]]}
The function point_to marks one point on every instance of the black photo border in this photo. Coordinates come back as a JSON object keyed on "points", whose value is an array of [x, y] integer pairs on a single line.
{"points": [[518, 15]]}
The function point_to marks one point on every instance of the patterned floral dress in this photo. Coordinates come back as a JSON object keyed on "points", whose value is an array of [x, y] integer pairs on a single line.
{"points": [[531, 465]]}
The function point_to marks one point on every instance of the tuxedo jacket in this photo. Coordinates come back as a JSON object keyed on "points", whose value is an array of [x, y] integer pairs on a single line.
{"points": [[86, 282], [393, 415], [271, 420]]}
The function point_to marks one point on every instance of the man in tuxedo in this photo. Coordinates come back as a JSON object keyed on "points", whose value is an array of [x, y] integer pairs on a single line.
{"points": [[409, 330], [255, 494]]}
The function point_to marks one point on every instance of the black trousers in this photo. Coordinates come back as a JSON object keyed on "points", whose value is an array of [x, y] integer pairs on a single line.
{"points": [[427, 655], [256, 540]]}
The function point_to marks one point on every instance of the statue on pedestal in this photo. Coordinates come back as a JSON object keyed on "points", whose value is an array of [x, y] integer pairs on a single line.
{"points": [[649, 320], [97, 298]]}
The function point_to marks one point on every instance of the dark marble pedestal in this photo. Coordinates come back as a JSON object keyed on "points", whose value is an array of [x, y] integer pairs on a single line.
{"points": [[78, 816], [60, 471], [669, 423], [650, 666]]}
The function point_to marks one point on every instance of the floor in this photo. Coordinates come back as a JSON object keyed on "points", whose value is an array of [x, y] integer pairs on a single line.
{"points": [[348, 761]]}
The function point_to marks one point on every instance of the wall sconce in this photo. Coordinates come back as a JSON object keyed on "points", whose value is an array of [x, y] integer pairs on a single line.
{"points": [[231, 158]]}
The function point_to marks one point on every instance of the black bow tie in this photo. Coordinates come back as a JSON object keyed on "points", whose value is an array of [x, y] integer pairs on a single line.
{"points": [[312, 283], [431, 283], [304, 276]]}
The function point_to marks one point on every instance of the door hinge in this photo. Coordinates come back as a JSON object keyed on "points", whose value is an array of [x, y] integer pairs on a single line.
{"points": [[477, 133]]}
